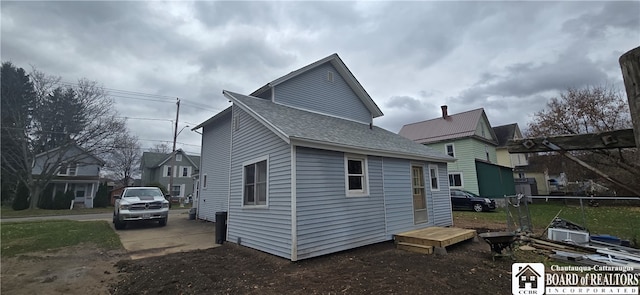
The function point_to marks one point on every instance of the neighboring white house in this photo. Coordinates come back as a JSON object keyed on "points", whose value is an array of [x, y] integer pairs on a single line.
{"points": [[302, 171], [79, 172]]}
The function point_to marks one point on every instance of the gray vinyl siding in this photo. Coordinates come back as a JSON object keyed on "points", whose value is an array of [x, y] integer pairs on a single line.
{"points": [[399, 197], [441, 200], [265, 229], [312, 91], [329, 221], [216, 142]]}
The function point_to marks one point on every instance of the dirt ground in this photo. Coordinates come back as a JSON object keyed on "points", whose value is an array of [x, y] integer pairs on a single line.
{"points": [[231, 269], [80, 269]]}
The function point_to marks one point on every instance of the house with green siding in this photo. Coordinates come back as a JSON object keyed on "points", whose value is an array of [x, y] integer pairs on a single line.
{"points": [[468, 137]]}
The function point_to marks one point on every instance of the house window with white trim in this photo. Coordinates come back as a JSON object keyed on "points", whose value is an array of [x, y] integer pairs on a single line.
{"points": [[175, 190], [433, 174], [68, 169], [357, 184], [186, 171], [450, 150], [204, 181], [178, 157], [455, 180], [167, 171], [255, 183]]}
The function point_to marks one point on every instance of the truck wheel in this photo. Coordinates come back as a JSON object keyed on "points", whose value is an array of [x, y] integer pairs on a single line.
{"points": [[163, 221], [117, 223]]}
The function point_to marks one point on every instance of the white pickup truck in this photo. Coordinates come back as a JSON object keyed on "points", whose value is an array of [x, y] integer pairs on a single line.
{"points": [[139, 204]]}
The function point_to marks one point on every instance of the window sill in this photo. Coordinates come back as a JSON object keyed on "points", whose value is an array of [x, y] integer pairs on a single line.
{"points": [[357, 195], [255, 207]]}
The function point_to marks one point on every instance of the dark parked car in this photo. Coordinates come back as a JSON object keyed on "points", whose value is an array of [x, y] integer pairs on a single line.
{"points": [[464, 200]]}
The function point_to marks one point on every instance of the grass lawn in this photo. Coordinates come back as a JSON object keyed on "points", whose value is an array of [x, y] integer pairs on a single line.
{"points": [[31, 236], [8, 212], [621, 221]]}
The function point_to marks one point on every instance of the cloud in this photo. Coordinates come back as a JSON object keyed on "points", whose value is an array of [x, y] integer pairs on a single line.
{"points": [[613, 15]]}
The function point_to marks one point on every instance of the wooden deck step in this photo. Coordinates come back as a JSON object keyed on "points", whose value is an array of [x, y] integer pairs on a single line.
{"points": [[415, 248], [436, 236]]}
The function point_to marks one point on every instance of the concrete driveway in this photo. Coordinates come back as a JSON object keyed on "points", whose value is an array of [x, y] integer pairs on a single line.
{"points": [[147, 239]]}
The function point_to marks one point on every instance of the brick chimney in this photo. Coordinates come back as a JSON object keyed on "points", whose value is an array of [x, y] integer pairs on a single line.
{"points": [[444, 111]]}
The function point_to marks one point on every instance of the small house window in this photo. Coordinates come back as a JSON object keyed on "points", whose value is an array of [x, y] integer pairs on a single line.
{"points": [[168, 171], [455, 180], [185, 172], [175, 190], [72, 169], [178, 157], [356, 176], [450, 150], [235, 122], [204, 181], [433, 174], [63, 169], [486, 152], [330, 76], [255, 183]]}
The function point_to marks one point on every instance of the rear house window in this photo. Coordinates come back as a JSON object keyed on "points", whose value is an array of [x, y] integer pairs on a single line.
{"points": [[255, 183], [356, 176]]}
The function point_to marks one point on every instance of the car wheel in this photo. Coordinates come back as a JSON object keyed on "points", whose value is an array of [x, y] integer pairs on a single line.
{"points": [[163, 221], [117, 223], [477, 207]]}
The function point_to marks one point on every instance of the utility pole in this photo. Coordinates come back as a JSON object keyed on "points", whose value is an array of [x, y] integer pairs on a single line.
{"points": [[173, 151]]}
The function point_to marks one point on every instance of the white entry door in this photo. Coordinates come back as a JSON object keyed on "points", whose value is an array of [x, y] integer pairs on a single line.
{"points": [[419, 196]]}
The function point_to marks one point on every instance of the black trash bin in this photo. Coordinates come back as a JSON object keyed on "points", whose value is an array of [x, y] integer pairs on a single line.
{"points": [[221, 227], [192, 214]]}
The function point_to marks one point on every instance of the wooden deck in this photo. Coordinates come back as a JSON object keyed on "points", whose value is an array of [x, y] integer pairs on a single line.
{"points": [[423, 240]]}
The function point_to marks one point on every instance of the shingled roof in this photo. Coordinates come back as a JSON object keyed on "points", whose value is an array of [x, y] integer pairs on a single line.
{"points": [[307, 128], [504, 133]]}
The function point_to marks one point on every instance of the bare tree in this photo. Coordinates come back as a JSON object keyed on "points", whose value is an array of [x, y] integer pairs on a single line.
{"points": [[124, 160], [57, 119], [160, 148], [591, 110]]}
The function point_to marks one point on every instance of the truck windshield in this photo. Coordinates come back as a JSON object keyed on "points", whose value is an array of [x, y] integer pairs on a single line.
{"points": [[143, 193]]}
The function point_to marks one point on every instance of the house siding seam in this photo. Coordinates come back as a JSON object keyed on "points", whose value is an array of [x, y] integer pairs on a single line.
{"points": [[265, 229], [312, 91], [329, 221], [215, 164]]}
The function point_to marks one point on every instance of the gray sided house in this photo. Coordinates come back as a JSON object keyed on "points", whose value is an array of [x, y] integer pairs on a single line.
{"points": [[78, 171], [157, 168], [302, 171]]}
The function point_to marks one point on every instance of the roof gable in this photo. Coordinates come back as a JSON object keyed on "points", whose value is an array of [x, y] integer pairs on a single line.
{"points": [[303, 127], [507, 132], [155, 160], [452, 127], [340, 68]]}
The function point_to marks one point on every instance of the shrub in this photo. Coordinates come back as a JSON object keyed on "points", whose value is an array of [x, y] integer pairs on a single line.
{"points": [[21, 202], [102, 196]]}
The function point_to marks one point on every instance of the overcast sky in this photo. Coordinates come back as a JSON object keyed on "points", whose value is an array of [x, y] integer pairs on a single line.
{"points": [[506, 57]]}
